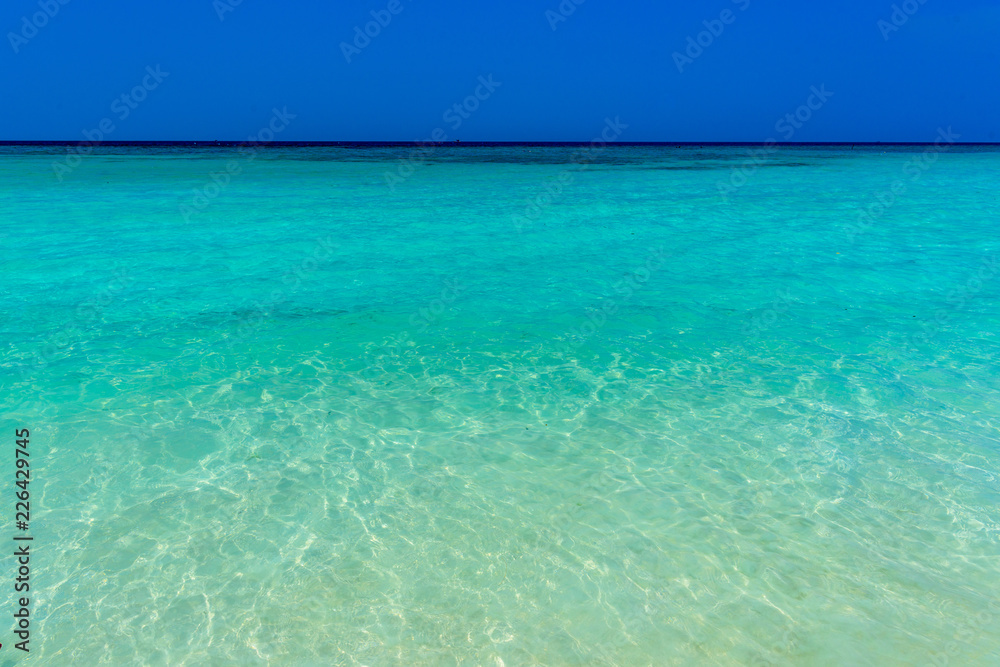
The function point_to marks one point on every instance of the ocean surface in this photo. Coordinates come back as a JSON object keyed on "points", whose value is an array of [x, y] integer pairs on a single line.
{"points": [[504, 405]]}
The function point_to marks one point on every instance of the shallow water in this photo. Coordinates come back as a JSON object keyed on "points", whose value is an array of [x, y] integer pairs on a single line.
{"points": [[310, 417]]}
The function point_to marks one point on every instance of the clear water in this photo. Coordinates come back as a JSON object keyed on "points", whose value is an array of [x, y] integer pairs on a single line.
{"points": [[314, 420]]}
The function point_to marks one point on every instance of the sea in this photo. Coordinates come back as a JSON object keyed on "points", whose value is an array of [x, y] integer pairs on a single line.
{"points": [[502, 404]]}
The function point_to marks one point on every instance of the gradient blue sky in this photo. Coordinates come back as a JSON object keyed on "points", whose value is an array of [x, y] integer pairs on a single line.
{"points": [[607, 59]]}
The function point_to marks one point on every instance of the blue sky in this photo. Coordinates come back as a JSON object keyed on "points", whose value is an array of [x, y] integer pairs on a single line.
{"points": [[556, 70]]}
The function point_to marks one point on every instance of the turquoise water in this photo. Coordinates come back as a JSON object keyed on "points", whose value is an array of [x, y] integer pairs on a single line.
{"points": [[307, 418]]}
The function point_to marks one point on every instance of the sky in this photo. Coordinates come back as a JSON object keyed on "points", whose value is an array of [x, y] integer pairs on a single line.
{"points": [[517, 70]]}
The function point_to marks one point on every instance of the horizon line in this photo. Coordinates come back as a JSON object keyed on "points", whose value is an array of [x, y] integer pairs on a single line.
{"points": [[227, 142]]}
